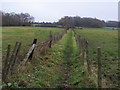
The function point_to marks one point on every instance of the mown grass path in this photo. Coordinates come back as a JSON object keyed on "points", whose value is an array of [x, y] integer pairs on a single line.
{"points": [[74, 75], [67, 58]]}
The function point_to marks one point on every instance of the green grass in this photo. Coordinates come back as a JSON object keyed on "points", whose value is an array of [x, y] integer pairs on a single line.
{"points": [[44, 70], [107, 39], [48, 70], [25, 35]]}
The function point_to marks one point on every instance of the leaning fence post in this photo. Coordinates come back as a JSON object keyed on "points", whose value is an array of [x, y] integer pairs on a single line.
{"points": [[31, 55], [99, 68], [6, 62]]}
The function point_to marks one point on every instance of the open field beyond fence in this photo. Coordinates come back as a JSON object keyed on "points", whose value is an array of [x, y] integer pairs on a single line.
{"points": [[107, 40], [25, 35]]}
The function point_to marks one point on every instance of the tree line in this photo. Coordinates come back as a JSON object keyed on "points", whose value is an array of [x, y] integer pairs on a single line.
{"points": [[25, 19], [72, 22], [13, 19], [112, 24]]}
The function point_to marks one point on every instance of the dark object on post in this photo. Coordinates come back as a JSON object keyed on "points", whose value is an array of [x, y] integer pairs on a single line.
{"points": [[99, 68], [33, 44]]}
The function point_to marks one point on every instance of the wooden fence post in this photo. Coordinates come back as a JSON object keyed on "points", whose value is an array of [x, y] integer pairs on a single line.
{"points": [[31, 55], [50, 43], [60, 35], [13, 57], [57, 37], [6, 63], [87, 58], [74, 32], [99, 68], [65, 30], [79, 41], [82, 49], [53, 39]]}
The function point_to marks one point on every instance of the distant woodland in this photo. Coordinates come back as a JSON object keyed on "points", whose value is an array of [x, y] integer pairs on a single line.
{"points": [[25, 19], [13, 19]]}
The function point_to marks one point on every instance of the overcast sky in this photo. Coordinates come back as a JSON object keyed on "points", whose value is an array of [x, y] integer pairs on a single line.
{"points": [[52, 10]]}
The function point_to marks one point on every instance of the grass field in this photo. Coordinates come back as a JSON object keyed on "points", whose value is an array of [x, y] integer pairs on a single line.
{"points": [[107, 39], [62, 65], [25, 35]]}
